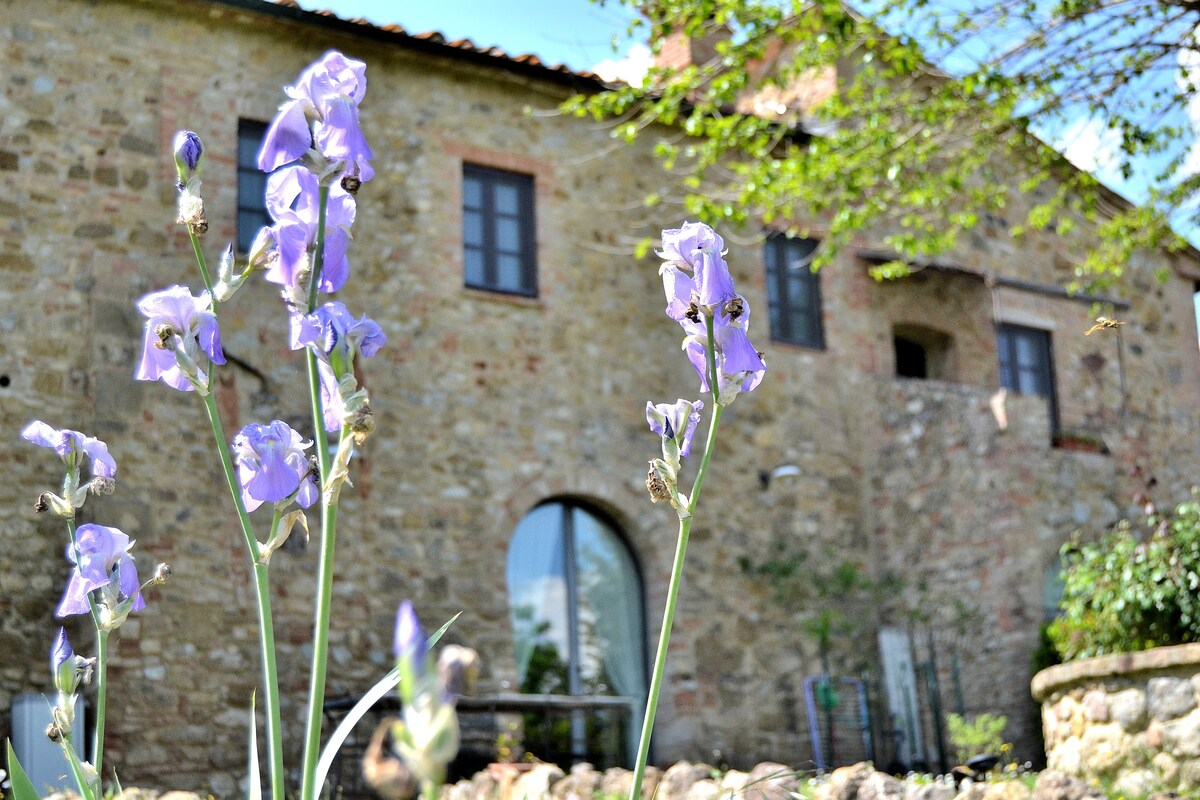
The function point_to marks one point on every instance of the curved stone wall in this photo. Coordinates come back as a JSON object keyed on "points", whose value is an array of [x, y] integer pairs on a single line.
{"points": [[1131, 718]]}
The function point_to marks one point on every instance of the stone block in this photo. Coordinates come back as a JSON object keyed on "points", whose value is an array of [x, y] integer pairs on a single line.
{"points": [[1167, 768], [1169, 698], [769, 780], [1181, 737], [880, 786], [930, 791], [1138, 783], [1128, 709], [844, 781], [1066, 757], [536, 782], [707, 789], [581, 783], [1095, 705], [1103, 749], [1054, 785], [679, 777]]}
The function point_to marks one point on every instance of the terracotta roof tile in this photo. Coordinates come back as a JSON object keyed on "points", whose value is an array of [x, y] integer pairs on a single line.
{"points": [[436, 38]]}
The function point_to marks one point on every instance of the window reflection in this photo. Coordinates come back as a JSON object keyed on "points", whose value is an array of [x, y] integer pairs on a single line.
{"points": [[576, 605]]}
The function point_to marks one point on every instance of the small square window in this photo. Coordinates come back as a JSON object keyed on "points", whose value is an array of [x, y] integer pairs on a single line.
{"points": [[251, 184], [793, 292], [498, 231]]}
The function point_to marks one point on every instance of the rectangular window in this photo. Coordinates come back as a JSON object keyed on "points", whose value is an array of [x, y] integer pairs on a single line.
{"points": [[498, 232], [251, 184], [1026, 364], [793, 292]]}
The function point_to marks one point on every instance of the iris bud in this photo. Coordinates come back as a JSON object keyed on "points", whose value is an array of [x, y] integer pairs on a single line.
{"points": [[189, 155]]}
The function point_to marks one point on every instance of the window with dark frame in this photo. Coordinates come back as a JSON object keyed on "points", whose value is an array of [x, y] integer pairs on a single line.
{"points": [[251, 184], [793, 292], [498, 231], [578, 622], [1027, 364]]}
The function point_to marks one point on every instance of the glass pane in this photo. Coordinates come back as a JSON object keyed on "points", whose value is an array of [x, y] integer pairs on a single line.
{"points": [[508, 273], [1027, 355], [472, 229], [506, 199], [472, 192], [1032, 381], [612, 659], [799, 254], [537, 596], [473, 274], [508, 235], [252, 190], [249, 223], [799, 287], [248, 145], [612, 656]]}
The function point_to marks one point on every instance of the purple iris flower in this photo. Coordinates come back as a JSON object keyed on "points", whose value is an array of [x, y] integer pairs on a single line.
{"points": [[68, 443], [700, 249], [272, 465], [102, 558], [680, 289], [326, 95], [293, 200], [739, 366], [191, 318], [333, 331], [675, 421], [410, 639]]}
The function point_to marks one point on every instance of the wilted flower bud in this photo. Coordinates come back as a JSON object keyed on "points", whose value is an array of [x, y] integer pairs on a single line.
{"points": [[102, 486], [191, 213], [189, 154], [656, 486]]}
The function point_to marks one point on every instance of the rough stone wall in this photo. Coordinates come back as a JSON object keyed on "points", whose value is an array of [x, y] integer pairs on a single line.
{"points": [[1131, 721], [487, 405]]}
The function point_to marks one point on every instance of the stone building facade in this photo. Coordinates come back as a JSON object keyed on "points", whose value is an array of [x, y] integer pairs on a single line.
{"points": [[490, 403]]}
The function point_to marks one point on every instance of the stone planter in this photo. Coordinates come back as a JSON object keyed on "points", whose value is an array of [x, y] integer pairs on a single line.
{"points": [[1131, 718]]}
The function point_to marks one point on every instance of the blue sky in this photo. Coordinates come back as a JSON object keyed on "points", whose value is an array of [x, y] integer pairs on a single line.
{"points": [[577, 33]]}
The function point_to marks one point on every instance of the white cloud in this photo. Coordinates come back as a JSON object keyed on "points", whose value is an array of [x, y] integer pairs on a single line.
{"points": [[1091, 145], [630, 68]]}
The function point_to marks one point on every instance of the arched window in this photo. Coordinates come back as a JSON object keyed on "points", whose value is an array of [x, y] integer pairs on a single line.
{"points": [[575, 598]]}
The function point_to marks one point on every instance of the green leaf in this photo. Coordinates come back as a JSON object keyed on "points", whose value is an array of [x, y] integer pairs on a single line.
{"points": [[22, 787]]}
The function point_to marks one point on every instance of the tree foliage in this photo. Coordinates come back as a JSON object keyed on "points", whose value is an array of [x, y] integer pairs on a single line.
{"points": [[931, 121], [1133, 589]]}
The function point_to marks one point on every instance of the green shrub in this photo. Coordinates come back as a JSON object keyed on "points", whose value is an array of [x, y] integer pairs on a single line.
{"points": [[1133, 589], [984, 734]]}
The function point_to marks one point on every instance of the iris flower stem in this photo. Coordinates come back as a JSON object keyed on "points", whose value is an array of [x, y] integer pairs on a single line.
{"points": [[101, 660], [101, 700], [324, 601], [266, 626], [204, 273], [685, 529]]}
